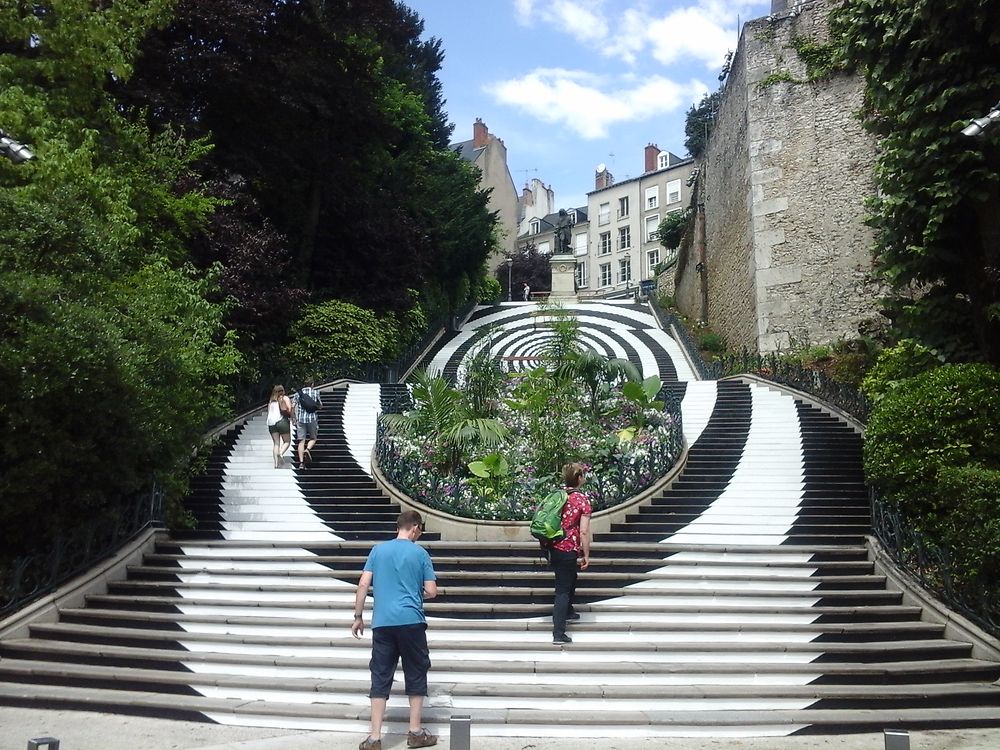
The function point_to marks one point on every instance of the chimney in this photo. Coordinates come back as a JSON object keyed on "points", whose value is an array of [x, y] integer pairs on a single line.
{"points": [[527, 196], [652, 151], [480, 134], [603, 178]]}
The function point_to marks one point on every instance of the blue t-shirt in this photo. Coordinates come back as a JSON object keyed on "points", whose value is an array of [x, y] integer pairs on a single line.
{"points": [[399, 568]]}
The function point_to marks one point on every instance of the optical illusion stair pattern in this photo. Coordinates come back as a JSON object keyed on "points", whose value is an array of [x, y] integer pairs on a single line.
{"points": [[740, 601]]}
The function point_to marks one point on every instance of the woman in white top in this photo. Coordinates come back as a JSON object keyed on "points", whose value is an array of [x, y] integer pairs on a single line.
{"points": [[280, 417]]}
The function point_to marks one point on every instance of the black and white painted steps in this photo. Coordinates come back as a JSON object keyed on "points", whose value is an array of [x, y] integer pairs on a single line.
{"points": [[735, 625]]}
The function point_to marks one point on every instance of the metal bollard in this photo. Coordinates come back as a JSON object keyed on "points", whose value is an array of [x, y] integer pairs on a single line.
{"points": [[460, 737], [39, 742], [897, 739]]}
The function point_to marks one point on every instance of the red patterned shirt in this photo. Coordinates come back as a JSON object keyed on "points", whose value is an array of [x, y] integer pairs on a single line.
{"points": [[577, 505]]}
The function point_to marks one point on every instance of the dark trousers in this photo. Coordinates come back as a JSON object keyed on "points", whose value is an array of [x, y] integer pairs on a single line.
{"points": [[388, 645], [565, 568]]}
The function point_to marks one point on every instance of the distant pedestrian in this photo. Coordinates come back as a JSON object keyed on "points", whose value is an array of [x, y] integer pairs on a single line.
{"points": [[280, 417], [307, 420], [527, 292], [401, 576], [571, 553]]}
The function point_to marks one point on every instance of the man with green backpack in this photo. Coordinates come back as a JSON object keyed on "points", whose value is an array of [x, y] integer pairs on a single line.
{"points": [[562, 526]]}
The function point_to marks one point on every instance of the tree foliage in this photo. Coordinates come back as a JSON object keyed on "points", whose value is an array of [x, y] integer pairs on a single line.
{"points": [[111, 353], [699, 122], [330, 115], [928, 68]]}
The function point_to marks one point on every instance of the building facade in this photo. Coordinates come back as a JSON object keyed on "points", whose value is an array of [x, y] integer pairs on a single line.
{"points": [[489, 154], [623, 246]]}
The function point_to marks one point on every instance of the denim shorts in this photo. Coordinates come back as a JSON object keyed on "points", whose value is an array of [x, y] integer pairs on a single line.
{"points": [[391, 643]]}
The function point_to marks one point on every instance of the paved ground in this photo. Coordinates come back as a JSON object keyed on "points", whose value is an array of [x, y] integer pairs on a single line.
{"points": [[77, 730]]}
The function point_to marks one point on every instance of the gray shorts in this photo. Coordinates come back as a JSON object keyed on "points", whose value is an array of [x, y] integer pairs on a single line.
{"points": [[307, 430]]}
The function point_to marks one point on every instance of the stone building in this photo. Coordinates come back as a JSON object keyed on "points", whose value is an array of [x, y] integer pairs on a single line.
{"points": [[489, 154], [784, 176], [624, 245]]}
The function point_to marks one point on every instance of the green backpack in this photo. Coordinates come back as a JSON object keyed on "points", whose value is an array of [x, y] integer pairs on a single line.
{"points": [[546, 524]]}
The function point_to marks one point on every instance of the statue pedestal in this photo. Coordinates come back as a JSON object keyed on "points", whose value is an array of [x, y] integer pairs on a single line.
{"points": [[563, 277]]}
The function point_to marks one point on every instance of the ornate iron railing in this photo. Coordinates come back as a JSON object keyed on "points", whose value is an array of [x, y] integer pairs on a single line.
{"points": [[773, 367], [71, 553], [929, 563]]}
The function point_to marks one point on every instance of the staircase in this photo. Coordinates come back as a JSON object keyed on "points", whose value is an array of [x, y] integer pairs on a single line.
{"points": [[740, 601]]}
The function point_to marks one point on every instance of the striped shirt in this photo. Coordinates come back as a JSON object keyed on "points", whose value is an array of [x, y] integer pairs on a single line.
{"points": [[303, 416]]}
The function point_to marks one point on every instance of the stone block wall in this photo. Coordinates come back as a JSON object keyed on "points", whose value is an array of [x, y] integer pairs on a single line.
{"points": [[786, 172]]}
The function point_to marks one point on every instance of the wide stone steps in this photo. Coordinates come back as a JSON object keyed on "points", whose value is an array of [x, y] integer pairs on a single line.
{"points": [[451, 647], [740, 600], [591, 621]]}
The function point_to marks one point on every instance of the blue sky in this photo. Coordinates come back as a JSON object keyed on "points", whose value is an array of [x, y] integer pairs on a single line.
{"points": [[570, 84]]}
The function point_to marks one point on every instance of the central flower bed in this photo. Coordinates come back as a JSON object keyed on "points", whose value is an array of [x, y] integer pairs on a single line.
{"points": [[492, 446]]}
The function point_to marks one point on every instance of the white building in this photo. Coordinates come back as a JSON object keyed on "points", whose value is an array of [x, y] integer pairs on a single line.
{"points": [[623, 247]]}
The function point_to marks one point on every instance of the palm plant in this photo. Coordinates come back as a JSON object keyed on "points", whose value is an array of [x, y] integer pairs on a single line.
{"points": [[442, 416]]}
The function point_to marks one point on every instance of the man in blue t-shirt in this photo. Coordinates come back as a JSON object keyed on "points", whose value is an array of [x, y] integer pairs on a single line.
{"points": [[401, 576]]}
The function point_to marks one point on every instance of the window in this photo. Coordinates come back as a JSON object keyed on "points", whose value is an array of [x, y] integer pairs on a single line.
{"points": [[624, 238], [624, 270], [663, 160], [581, 274], [543, 248], [535, 225], [673, 191], [652, 225], [604, 244], [605, 274], [604, 213], [572, 216], [652, 197], [581, 243], [652, 261], [623, 207]]}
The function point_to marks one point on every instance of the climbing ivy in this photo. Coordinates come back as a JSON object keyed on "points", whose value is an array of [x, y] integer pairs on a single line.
{"points": [[928, 67], [821, 59]]}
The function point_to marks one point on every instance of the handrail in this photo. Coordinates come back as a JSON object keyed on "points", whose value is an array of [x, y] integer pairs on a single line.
{"points": [[930, 564], [69, 555]]}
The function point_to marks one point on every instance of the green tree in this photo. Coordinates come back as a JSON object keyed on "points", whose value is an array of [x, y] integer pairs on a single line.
{"points": [[330, 114], [699, 122], [111, 355], [928, 67]]}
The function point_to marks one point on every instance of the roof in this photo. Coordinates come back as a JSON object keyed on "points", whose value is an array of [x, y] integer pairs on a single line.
{"points": [[645, 175], [467, 150]]}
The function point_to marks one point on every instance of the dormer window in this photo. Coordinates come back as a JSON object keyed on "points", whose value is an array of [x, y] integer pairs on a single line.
{"points": [[663, 160], [535, 226], [572, 216]]}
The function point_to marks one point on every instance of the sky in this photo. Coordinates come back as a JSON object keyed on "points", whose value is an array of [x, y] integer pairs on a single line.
{"points": [[571, 84]]}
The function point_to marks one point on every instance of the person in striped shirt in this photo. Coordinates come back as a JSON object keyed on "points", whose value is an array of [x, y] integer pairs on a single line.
{"points": [[307, 422]]}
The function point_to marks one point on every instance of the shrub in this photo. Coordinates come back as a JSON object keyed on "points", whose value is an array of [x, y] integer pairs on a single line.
{"points": [[489, 289], [971, 527], [336, 331], [942, 419], [896, 363], [711, 342]]}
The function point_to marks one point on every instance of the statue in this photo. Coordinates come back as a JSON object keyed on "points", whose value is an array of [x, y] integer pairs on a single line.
{"points": [[562, 240]]}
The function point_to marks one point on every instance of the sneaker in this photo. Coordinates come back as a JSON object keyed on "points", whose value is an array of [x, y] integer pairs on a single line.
{"points": [[370, 744], [422, 738], [561, 638], [572, 616]]}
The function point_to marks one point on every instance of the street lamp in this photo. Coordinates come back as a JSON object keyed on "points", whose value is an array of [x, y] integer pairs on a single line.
{"points": [[979, 124], [510, 262], [15, 151]]}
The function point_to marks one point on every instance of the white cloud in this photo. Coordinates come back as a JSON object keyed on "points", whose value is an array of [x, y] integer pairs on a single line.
{"points": [[690, 33], [584, 20], [703, 30], [588, 104]]}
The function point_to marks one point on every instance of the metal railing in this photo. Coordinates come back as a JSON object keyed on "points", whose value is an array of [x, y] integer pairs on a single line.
{"points": [[773, 367], [931, 564], [71, 553]]}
